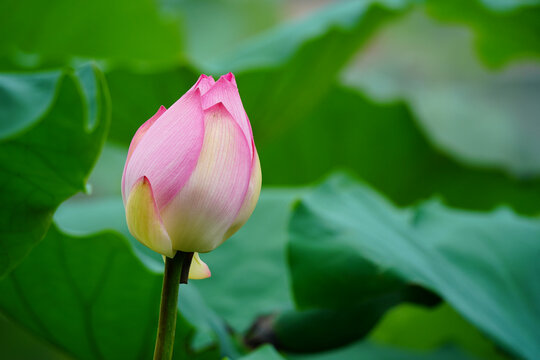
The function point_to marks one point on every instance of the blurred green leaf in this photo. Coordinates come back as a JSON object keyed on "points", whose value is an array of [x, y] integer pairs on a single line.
{"points": [[282, 74], [412, 327], [47, 151], [307, 330], [106, 177], [367, 350], [383, 144], [504, 30], [125, 30], [92, 297], [349, 21], [214, 27], [479, 116], [484, 265], [24, 98], [18, 344], [265, 352], [305, 125]]}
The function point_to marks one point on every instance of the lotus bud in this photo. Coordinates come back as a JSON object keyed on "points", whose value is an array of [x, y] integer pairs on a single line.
{"points": [[192, 176]]}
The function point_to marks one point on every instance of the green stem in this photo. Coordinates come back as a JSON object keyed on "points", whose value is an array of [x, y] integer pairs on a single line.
{"points": [[169, 303]]}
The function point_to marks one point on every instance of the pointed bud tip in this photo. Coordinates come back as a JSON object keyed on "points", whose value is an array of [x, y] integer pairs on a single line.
{"points": [[230, 78]]}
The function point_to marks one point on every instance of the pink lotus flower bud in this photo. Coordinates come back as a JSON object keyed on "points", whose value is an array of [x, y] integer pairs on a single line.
{"points": [[192, 176]]}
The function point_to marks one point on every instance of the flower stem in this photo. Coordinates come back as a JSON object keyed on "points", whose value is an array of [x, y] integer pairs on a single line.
{"points": [[176, 272]]}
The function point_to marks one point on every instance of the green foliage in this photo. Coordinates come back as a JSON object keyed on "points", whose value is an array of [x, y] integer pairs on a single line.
{"points": [[346, 239], [504, 30], [292, 114], [214, 28], [24, 99], [265, 352], [35, 31], [289, 84], [273, 71], [92, 297], [350, 20], [384, 145], [340, 274], [419, 328], [47, 151], [475, 114], [17, 340], [367, 350], [306, 330]]}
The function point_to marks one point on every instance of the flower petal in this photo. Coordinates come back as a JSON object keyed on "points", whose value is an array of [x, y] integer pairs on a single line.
{"points": [[230, 78], [204, 83], [202, 212], [136, 139], [251, 199], [143, 219], [226, 92], [169, 150], [143, 129], [198, 269]]}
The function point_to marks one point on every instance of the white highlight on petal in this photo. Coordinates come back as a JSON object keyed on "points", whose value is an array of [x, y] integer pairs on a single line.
{"points": [[252, 197], [199, 216]]}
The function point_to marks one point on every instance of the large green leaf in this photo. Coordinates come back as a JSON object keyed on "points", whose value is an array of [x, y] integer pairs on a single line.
{"points": [[367, 350], [484, 265], [92, 297], [478, 115], [214, 27], [25, 97], [305, 125], [505, 30], [46, 150], [307, 330], [348, 21], [413, 327], [282, 73], [63, 30], [266, 352], [18, 344], [384, 145]]}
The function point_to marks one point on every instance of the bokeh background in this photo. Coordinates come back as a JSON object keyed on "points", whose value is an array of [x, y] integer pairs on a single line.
{"points": [[399, 144]]}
